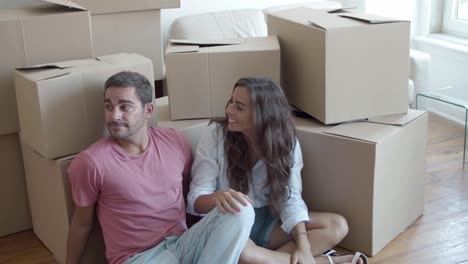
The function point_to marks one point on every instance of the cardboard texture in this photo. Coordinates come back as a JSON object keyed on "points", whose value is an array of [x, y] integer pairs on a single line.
{"points": [[52, 207], [61, 104], [38, 35], [133, 32], [139, 28], [339, 68], [200, 78], [118, 6], [15, 216], [372, 174], [192, 128]]}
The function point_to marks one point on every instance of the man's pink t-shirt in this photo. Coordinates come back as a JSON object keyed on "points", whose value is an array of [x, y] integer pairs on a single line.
{"points": [[139, 198]]}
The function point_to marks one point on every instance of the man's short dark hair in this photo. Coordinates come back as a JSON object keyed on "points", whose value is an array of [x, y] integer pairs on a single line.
{"points": [[125, 79]]}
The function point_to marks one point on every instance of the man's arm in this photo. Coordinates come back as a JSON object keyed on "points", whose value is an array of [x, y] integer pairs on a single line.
{"points": [[81, 224]]}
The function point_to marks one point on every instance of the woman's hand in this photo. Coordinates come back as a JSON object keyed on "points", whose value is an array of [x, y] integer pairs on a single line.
{"points": [[228, 200], [302, 256]]}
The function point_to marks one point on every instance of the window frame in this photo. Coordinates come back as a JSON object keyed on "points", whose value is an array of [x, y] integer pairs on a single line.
{"points": [[451, 25]]}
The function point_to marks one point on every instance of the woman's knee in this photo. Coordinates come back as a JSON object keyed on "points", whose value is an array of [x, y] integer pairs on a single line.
{"points": [[339, 225]]}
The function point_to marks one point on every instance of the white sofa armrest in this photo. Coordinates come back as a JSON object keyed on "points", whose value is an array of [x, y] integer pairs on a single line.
{"points": [[419, 72]]}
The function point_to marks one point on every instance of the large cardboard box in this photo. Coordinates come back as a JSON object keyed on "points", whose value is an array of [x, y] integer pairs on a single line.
{"points": [[371, 173], [52, 206], [193, 128], [201, 75], [34, 35], [15, 214], [129, 26], [60, 105], [341, 66]]}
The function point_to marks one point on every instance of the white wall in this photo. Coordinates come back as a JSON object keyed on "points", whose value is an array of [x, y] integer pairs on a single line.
{"points": [[400, 9], [449, 63]]}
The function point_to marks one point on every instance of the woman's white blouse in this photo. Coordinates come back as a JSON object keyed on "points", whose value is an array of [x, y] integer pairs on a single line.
{"points": [[209, 175]]}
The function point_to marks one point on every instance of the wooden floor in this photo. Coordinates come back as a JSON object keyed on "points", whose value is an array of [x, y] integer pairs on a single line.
{"points": [[440, 236]]}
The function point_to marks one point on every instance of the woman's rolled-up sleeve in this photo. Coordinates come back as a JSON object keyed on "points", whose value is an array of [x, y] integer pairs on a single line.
{"points": [[205, 168], [294, 210]]}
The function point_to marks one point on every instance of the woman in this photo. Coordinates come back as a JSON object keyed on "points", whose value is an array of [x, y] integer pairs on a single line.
{"points": [[252, 155]]}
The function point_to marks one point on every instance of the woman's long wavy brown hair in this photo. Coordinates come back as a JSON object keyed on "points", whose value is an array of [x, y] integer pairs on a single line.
{"points": [[275, 140]]}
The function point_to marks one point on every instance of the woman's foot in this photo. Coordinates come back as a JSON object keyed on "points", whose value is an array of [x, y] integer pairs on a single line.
{"points": [[345, 259]]}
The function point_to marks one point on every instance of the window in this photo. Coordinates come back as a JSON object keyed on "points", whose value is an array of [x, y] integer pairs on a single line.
{"points": [[455, 18]]}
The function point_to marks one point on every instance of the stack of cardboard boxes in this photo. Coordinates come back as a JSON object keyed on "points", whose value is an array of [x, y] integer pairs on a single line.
{"points": [[51, 106], [363, 153], [363, 149], [340, 67], [30, 36]]}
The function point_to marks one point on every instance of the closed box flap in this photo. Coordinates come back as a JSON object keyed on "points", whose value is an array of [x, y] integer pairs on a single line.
{"points": [[369, 18], [372, 131], [118, 6]]}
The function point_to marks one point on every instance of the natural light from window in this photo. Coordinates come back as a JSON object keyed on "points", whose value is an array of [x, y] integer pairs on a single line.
{"points": [[462, 10], [455, 18]]}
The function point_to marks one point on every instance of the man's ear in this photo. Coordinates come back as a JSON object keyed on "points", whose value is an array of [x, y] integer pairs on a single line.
{"points": [[149, 108]]}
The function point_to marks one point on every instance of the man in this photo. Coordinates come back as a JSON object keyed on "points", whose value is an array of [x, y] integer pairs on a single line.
{"points": [[133, 180]]}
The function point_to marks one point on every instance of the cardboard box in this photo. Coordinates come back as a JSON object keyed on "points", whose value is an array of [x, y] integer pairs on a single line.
{"points": [[193, 128], [122, 6], [60, 104], [340, 66], [15, 216], [201, 75], [371, 173], [35, 35], [52, 207], [129, 26]]}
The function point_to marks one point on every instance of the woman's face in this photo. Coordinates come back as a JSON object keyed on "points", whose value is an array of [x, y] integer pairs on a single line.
{"points": [[239, 112]]}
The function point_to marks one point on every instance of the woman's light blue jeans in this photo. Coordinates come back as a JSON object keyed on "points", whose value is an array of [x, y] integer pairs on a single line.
{"points": [[216, 238]]}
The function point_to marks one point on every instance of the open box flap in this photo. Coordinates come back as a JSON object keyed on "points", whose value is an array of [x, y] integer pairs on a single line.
{"points": [[397, 120], [194, 45], [66, 3], [52, 70], [369, 18], [117, 6], [375, 129], [370, 132], [182, 48], [120, 58], [207, 42]]}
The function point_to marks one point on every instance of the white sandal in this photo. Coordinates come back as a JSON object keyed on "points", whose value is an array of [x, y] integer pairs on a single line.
{"points": [[332, 253]]}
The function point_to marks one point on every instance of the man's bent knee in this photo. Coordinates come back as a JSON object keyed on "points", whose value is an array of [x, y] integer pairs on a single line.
{"points": [[245, 217]]}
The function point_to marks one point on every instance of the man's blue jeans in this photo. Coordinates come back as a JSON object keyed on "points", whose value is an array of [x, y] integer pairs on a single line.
{"points": [[216, 238]]}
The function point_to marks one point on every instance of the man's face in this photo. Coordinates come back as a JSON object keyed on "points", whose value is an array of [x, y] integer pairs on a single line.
{"points": [[124, 114]]}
